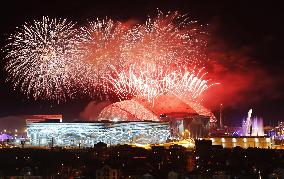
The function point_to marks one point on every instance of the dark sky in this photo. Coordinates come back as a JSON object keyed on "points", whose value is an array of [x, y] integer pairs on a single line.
{"points": [[246, 37]]}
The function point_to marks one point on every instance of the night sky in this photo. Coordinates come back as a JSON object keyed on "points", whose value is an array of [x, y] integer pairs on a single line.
{"points": [[245, 48]]}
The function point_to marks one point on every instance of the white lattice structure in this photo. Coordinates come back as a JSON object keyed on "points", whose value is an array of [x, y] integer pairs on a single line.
{"points": [[88, 134]]}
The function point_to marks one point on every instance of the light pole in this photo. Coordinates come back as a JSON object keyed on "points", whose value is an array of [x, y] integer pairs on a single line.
{"points": [[221, 115]]}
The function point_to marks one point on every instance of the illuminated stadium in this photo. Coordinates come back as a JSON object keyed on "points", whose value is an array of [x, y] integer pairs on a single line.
{"points": [[86, 134]]}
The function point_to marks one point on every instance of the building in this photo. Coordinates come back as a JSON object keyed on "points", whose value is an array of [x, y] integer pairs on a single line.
{"points": [[43, 117], [86, 134], [244, 142], [186, 125], [107, 173], [277, 132]]}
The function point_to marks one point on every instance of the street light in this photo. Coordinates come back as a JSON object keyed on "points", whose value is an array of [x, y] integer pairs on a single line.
{"points": [[221, 113]]}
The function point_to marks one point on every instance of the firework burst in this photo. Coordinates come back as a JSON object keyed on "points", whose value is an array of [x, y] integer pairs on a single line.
{"points": [[102, 42], [42, 58], [187, 83], [169, 40], [153, 82], [134, 82]]}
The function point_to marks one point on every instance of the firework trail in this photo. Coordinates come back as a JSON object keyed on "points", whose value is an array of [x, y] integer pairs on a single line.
{"points": [[42, 58]]}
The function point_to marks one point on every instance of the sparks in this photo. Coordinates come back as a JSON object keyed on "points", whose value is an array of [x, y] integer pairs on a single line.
{"points": [[41, 58], [153, 82], [169, 40]]}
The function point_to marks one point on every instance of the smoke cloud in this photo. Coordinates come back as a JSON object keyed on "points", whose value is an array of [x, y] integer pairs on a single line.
{"points": [[93, 109], [243, 79]]}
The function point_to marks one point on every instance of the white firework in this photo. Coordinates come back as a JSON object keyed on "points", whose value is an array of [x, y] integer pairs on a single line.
{"points": [[43, 58], [149, 83]]}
